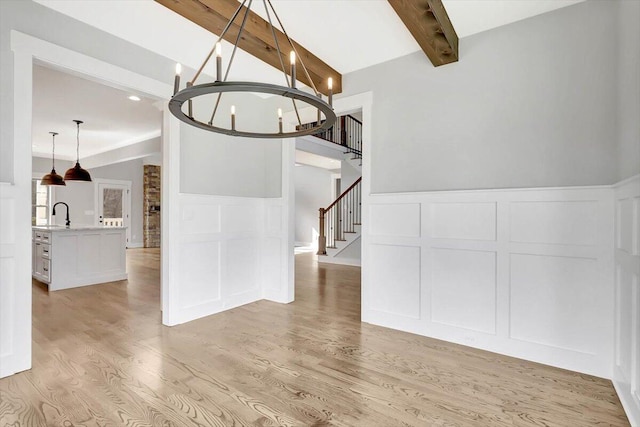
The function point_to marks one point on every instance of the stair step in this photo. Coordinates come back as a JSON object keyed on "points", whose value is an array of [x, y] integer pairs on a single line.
{"points": [[340, 240], [357, 223], [332, 247], [352, 232]]}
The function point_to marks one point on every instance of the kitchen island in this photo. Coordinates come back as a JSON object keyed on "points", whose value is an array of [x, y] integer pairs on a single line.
{"points": [[69, 257]]}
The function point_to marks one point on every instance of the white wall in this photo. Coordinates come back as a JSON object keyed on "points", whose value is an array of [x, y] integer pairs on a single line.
{"points": [[80, 196], [230, 253], [46, 24], [223, 165], [348, 175], [628, 88], [227, 251], [140, 150], [232, 243], [626, 373], [525, 273], [531, 104], [312, 192], [69, 44]]}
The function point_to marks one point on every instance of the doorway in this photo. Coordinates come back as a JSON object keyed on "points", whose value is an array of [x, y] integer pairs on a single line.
{"points": [[113, 205], [16, 345]]}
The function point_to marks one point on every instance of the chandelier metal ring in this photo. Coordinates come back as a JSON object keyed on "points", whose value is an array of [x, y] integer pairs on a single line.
{"points": [[191, 92]]}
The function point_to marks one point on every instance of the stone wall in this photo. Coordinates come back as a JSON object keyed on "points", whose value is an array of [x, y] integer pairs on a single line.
{"points": [[151, 206]]}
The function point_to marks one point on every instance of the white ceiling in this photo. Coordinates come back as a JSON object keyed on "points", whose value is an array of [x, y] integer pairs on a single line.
{"points": [[347, 34], [311, 159], [111, 120]]}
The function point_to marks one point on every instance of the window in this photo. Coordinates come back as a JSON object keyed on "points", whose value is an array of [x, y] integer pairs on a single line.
{"points": [[40, 199]]}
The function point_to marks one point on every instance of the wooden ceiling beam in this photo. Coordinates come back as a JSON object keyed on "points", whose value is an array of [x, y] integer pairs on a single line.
{"points": [[429, 24], [257, 39]]}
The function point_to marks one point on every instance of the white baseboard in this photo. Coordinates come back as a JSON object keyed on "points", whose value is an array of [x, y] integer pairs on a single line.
{"points": [[135, 245], [630, 407], [342, 261]]}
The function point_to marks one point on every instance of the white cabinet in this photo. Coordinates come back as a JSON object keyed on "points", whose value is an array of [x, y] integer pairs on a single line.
{"points": [[41, 256], [71, 257]]}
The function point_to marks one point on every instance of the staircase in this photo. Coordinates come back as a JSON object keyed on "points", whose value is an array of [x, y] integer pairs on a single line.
{"points": [[340, 222], [339, 230], [347, 132]]}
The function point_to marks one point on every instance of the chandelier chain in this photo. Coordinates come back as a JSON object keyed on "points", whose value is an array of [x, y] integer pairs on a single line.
{"points": [[293, 46], [284, 71], [233, 55], [226, 28]]}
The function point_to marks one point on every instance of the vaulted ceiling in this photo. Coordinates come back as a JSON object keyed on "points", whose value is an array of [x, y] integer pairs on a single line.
{"points": [[346, 34]]}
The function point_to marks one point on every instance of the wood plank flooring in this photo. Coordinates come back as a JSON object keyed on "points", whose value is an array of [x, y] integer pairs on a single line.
{"points": [[102, 358]]}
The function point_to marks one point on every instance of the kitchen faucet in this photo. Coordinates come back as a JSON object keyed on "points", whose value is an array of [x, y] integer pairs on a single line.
{"points": [[67, 221]]}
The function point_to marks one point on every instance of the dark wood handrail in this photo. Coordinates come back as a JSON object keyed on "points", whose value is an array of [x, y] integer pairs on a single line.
{"points": [[354, 119], [344, 193], [346, 132], [340, 217]]}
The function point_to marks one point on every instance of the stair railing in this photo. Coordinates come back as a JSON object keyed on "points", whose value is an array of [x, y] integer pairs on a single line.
{"points": [[340, 217], [346, 132]]}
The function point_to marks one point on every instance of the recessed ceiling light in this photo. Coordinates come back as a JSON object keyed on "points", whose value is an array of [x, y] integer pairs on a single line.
{"points": [[134, 98]]}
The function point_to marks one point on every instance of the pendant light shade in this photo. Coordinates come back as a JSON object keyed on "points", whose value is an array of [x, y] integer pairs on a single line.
{"points": [[53, 178], [76, 173]]}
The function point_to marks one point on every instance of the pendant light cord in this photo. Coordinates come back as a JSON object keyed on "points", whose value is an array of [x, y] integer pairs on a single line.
{"points": [[78, 143], [53, 153]]}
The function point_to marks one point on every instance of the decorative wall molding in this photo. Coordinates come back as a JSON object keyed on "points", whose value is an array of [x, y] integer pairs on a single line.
{"points": [[229, 251], [626, 372], [15, 271], [526, 273]]}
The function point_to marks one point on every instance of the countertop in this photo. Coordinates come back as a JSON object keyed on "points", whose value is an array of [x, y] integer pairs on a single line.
{"points": [[75, 228]]}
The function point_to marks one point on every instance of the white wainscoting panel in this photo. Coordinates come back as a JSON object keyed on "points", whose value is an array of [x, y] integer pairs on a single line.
{"points": [[7, 278], [396, 220], [626, 372], [15, 271], [230, 253], [555, 222], [199, 288], [468, 221], [463, 289], [522, 272], [395, 288], [276, 260], [240, 273], [547, 291]]}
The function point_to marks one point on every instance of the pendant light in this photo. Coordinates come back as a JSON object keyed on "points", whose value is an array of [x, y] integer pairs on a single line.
{"points": [[53, 178], [76, 173]]}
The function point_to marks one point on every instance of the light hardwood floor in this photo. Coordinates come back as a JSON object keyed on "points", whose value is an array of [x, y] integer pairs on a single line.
{"points": [[102, 358]]}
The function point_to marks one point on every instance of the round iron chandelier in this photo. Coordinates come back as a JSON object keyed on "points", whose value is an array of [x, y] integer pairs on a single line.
{"points": [[222, 86]]}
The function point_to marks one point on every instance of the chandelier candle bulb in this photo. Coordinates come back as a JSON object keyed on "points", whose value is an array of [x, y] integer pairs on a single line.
{"points": [[330, 87], [218, 62], [292, 59], [233, 117], [222, 85], [176, 82]]}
